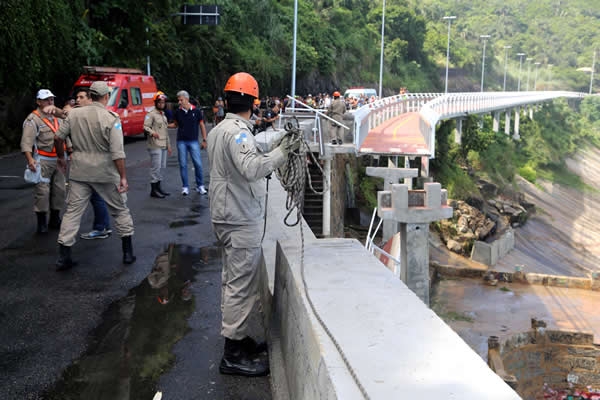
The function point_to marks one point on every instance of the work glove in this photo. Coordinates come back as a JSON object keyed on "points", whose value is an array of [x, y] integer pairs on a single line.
{"points": [[289, 144]]}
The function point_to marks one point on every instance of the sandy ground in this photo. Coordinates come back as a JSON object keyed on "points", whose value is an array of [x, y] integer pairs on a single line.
{"points": [[509, 307], [562, 239]]}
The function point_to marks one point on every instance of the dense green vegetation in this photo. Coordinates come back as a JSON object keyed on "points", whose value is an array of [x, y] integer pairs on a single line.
{"points": [[338, 46], [556, 132], [46, 44], [560, 35]]}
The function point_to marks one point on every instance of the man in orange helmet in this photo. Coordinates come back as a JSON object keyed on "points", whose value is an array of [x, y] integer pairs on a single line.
{"points": [[336, 111], [237, 194]]}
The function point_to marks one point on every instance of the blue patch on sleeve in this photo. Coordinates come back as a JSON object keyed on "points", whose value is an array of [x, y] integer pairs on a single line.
{"points": [[118, 125], [241, 138]]}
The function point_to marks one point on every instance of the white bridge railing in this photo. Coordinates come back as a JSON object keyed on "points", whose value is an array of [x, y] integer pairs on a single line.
{"points": [[435, 107], [374, 114], [455, 105]]}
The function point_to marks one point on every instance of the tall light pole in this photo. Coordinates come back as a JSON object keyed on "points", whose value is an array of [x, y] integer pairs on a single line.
{"points": [[381, 57], [528, 70], [593, 68], [537, 67], [294, 54], [505, 65], [485, 38], [520, 65], [449, 19]]}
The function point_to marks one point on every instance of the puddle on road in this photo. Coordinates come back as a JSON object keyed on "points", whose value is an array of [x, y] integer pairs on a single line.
{"points": [[182, 223], [199, 209], [132, 347]]}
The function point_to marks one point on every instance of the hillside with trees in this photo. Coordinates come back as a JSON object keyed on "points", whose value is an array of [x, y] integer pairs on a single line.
{"points": [[47, 43]]}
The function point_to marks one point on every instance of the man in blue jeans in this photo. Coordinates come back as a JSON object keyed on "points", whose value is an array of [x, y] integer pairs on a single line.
{"points": [[189, 122], [101, 228]]}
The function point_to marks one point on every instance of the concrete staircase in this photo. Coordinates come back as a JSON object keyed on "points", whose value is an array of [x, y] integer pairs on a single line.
{"points": [[313, 203]]}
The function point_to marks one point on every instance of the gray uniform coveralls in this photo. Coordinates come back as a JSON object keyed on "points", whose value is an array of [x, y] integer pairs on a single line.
{"points": [[237, 200], [97, 140], [156, 121], [336, 111]]}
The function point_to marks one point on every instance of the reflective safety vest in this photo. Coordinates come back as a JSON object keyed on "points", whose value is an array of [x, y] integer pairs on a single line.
{"points": [[53, 127]]}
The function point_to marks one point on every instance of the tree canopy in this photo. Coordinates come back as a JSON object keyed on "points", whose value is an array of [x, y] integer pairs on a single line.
{"points": [[47, 43]]}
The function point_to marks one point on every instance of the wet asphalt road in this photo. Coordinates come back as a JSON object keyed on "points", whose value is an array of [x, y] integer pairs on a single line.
{"points": [[103, 330]]}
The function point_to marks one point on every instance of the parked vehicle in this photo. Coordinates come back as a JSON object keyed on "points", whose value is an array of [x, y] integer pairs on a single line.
{"points": [[357, 92], [130, 97]]}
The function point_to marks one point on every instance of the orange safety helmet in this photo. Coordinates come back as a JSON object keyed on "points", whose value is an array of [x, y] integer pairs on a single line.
{"points": [[243, 83], [336, 94], [159, 96]]}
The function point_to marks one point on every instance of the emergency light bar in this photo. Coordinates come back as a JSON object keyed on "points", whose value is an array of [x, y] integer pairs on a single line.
{"points": [[88, 69]]}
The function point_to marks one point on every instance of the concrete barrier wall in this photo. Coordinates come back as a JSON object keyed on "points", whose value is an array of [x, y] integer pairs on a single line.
{"points": [[490, 253], [396, 345], [531, 278]]}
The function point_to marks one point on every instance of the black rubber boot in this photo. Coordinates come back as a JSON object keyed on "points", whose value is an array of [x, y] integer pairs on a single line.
{"points": [[236, 361], [55, 219], [253, 347], [42, 224], [160, 190], [128, 257], [154, 191], [65, 261]]}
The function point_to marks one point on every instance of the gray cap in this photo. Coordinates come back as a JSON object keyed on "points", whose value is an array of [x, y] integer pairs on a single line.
{"points": [[99, 88]]}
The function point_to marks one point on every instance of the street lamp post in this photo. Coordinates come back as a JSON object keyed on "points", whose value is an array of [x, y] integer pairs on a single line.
{"points": [[528, 70], [593, 68], [294, 53], [505, 65], [520, 65], [381, 56], [485, 38], [449, 19], [537, 67]]}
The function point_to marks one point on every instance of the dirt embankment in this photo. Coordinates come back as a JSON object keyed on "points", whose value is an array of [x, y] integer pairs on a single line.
{"points": [[563, 238]]}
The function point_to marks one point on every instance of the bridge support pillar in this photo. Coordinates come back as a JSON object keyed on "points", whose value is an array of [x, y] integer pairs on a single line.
{"points": [[496, 125], [507, 121], [530, 109], [458, 131], [412, 211], [327, 197], [390, 177], [516, 135]]}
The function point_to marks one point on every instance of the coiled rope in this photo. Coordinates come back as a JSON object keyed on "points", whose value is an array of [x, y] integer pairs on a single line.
{"points": [[293, 176]]}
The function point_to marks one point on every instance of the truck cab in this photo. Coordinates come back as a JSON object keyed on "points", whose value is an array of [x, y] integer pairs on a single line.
{"points": [[130, 96]]}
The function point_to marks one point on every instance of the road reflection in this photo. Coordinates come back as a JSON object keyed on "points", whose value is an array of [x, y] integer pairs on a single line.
{"points": [[132, 347]]}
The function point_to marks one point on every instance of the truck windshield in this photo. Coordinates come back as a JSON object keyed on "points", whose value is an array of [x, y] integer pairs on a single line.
{"points": [[113, 96]]}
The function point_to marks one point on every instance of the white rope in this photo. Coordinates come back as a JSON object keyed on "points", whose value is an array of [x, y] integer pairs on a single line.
{"points": [[293, 176]]}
